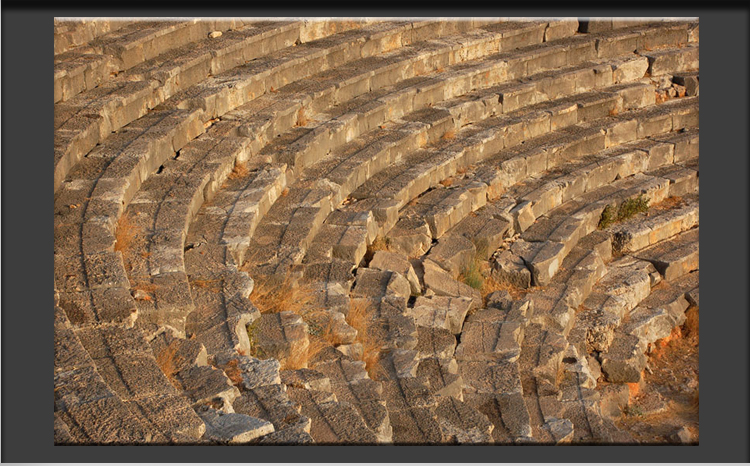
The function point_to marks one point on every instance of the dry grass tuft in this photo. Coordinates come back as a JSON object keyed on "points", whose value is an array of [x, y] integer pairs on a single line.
{"points": [[380, 244], [358, 317], [473, 275], [210, 285], [233, 371], [447, 182], [302, 119], [274, 294], [147, 290], [125, 236], [301, 359], [165, 361], [240, 170], [492, 284], [669, 203]]}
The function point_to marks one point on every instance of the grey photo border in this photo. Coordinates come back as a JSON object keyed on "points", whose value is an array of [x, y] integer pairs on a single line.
{"points": [[27, 335]]}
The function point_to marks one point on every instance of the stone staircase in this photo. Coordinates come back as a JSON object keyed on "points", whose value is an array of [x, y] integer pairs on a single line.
{"points": [[304, 231]]}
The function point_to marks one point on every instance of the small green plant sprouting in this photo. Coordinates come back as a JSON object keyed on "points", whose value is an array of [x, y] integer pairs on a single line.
{"points": [[472, 275], [632, 410], [254, 350], [627, 209]]}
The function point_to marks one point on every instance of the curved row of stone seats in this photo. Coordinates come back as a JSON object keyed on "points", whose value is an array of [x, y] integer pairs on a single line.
{"points": [[70, 32], [435, 122], [540, 196], [358, 274], [86, 120], [240, 217], [583, 267], [453, 203], [153, 136], [576, 286], [189, 212], [108, 55], [178, 52], [622, 318], [634, 299], [109, 389]]}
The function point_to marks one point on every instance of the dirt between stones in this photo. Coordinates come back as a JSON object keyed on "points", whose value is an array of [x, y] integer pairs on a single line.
{"points": [[664, 407]]}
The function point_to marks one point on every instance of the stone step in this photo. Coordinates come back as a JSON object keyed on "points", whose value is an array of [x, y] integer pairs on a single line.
{"points": [[332, 422], [549, 241], [100, 414], [462, 424], [110, 54], [71, 33], [112, 105], [494, 334], [664, 309], [350, 383], [668, 61], [344, 193], [596, 175], [272, 403], [643, 231], [674, 258], [682, 181], [443, 377], [626, 284], [555, 306], [233, 428], [339, 194]]}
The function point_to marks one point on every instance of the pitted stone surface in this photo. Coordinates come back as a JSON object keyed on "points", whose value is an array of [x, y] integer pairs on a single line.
{"points": [[368, 162]]}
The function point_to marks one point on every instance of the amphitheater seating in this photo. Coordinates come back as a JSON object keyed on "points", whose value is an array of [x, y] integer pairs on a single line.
{"points": [[367, 231]]}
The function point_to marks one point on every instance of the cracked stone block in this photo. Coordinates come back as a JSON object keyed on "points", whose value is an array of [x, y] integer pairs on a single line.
{"points": [[441, 312], [410, 236], [443, 284], [250, 372], [624, 360], [453, 253], [389, 261], [434, 342], [443, 377], [233, 428], [280, 335], [510, 268], [461, 423]]}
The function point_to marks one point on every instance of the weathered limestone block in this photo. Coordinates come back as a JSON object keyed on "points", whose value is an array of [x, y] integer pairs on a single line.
{"points": [[486, 233], [441, 312], [252, 372], [624, 359], [280, 336], [389, 261], [442, 375], [233, 428], [510, 268], [508, 413], [442, 284], [375, 284], [676, 257], [270, 403], [434, 342], [453, 253], [461, 423]]}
